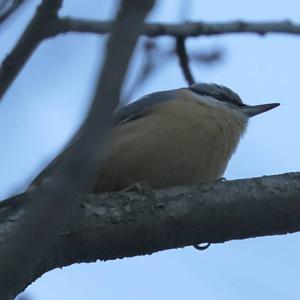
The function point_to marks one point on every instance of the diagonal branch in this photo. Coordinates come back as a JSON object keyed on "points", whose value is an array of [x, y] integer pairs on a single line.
{"points": [[11, 10], [188, 29], [28, 42], [117, 225]]}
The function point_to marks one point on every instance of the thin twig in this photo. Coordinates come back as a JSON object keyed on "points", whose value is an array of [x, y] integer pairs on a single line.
{"points": [[28, 42], [188, 29], [10, 11], [31, 38], [184, 60]]}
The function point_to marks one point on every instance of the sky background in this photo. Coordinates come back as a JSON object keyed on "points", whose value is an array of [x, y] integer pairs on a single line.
{"points": [[49, 98]]}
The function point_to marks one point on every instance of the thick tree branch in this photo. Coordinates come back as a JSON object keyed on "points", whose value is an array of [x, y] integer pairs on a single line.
{"points": [[117, 225], [190, 29], [28, 42]]}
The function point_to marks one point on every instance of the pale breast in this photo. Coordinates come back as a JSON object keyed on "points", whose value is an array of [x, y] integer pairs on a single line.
{"points": [[179, 142]]}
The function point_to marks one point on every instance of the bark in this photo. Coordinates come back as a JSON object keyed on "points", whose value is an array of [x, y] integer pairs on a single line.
{"points": [[125, 224], [188, 29]]}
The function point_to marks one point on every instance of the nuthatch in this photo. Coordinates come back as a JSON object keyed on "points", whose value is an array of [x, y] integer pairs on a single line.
{"points": [[180, 136], [174, 137]]}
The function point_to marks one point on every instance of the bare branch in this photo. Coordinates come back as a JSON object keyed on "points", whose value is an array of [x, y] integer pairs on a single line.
{"points": [[117, 225], [184, 60], [190, 29], [28, 42], [54, 200], [111, 226], [40, 28], [11, 10]]}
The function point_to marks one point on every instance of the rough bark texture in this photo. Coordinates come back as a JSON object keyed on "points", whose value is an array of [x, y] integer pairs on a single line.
{"points": [[124, 224]]}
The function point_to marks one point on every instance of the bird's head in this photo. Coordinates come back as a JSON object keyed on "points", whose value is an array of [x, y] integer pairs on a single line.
{"points": [[221, 96]]}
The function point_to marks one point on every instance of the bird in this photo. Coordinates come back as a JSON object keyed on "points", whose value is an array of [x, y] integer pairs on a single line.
{"points": [[175, 137]]}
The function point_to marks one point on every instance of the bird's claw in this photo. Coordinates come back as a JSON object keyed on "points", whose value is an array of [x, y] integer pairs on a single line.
{"points": [[141, 187]]}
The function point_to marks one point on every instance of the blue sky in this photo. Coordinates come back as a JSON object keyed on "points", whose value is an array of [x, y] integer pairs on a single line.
{"points": [[48, 100]]}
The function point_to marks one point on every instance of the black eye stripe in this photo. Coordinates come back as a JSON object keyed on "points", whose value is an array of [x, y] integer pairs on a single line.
{"points": [[226, 98], [219, 92]]}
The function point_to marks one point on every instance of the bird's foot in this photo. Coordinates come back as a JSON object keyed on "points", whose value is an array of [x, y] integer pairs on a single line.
{"points": [[141, 187]]}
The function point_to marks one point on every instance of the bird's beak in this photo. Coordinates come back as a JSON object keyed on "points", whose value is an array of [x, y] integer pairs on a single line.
{"points": [[251, 111]]}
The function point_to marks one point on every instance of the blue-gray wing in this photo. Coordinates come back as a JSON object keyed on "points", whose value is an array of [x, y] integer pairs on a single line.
{"points": [[142, 106], [122, 115]]}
